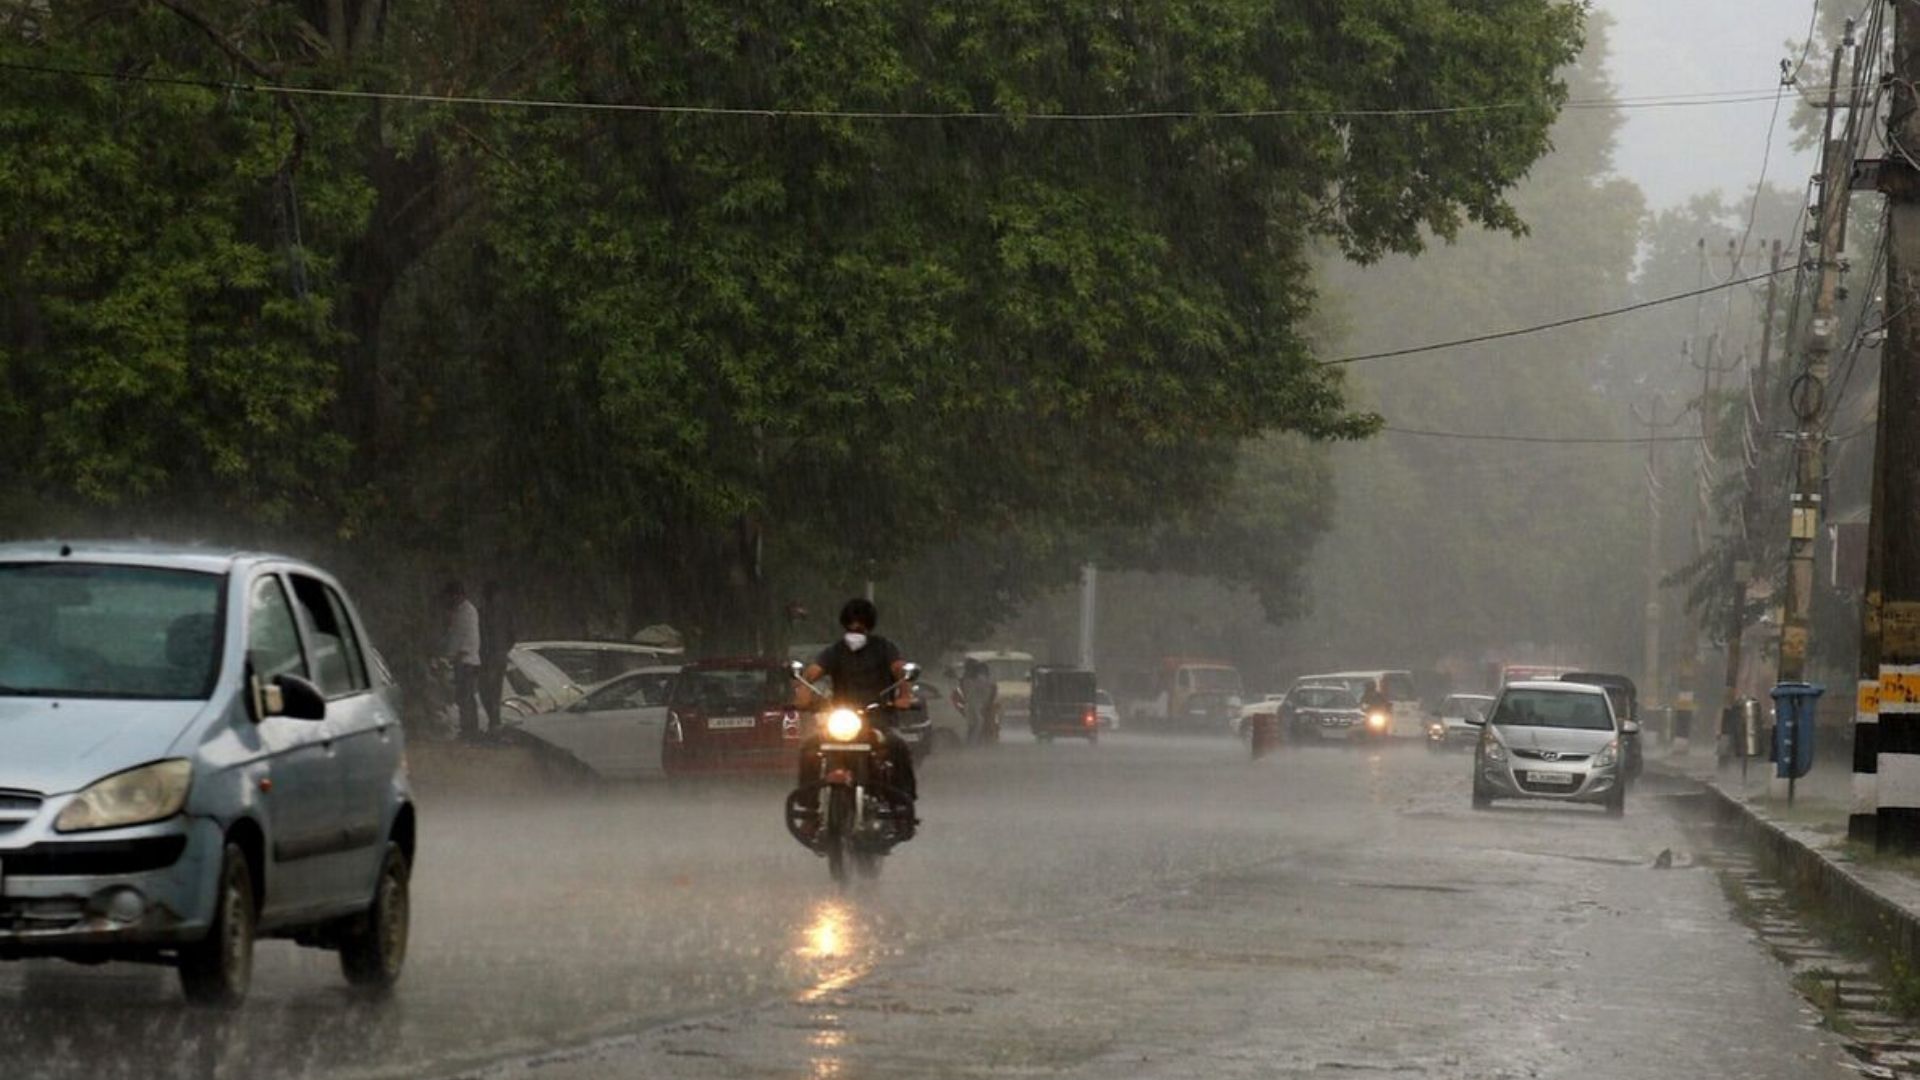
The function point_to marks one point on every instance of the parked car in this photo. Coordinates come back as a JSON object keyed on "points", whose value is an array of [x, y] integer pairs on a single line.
{"points": [[615, 732], [1451, 728], [1106, 710], [536, 685], [730, 716], [1551, 740], [196, 752], [1324, 712], [591, 663]]}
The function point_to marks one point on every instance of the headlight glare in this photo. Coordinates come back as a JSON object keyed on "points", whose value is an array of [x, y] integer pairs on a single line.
{"points": [[843, 725], [149, 793]]}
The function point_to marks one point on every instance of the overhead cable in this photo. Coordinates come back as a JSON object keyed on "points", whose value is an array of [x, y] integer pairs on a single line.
{"points": [[1556, 324], [1659, 101]]}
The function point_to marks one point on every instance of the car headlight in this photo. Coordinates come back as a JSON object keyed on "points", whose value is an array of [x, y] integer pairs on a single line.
{"points": [[149, 793], [843, 725], [1608, 754], [1491, 750]]}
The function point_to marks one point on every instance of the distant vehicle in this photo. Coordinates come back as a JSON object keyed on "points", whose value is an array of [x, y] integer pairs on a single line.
{"points": [[1513, 673], [1193, 695], [1625, 698], [1452, 728], [1322, 712], [1063, 704], [1408, 718], [947, 721], [590, 663], [731, 715], [1551, 740], [617, 731], [1107, 712], [1267, 705], [196, 752], [1011, 671]]}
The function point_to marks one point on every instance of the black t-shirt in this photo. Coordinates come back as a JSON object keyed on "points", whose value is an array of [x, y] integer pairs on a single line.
{"points": [[859, 678]]}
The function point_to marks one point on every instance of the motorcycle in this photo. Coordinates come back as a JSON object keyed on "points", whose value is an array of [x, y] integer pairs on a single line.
{"points": [[851, 813]]}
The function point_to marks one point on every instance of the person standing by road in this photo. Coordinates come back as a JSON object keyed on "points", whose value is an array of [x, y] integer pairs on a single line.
{"points": [[460, 645], [978, 692], [498, 633]]}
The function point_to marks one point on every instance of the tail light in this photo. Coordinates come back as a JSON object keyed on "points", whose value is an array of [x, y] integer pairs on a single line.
{"points": [[1091, 718]]}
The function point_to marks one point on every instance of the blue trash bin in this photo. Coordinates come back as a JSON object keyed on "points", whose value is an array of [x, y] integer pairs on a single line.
{"points": [[1794, 707]]}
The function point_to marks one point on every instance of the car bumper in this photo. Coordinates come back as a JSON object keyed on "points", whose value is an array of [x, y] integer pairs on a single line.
{"points": [[1526, 779], [115, 893]]}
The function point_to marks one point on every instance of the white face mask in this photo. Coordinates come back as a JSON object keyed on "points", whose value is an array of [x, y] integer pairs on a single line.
{"points": [[856, 641]]}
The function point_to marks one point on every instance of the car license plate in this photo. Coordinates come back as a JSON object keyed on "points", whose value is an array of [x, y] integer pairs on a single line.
{"points": [[1551, 778], [723, 723]]}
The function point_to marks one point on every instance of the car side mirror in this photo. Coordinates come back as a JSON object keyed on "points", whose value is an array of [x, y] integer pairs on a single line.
{"points": [[294, 698], [1630, 727], [1476, 719]]}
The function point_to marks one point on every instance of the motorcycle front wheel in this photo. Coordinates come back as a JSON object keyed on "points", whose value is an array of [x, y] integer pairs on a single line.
{"points": [[839, 831]]}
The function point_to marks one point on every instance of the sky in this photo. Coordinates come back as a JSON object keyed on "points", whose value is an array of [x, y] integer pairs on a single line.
{"points": [[1687, 46]]}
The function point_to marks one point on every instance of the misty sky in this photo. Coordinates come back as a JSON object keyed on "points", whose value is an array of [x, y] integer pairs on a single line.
{"points": [[1684, 46]]}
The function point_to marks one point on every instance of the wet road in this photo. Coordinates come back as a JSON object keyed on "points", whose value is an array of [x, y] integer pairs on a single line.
{"points": [[1150, 907]]}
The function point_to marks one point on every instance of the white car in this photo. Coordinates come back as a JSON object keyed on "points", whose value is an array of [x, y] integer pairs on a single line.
{"points": [[590, 663], [1268, 705], [536, 685], [614, 732], [1107, 712]]}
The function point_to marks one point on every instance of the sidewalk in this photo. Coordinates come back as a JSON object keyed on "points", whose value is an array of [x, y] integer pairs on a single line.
{"points": [[1807, 842]]}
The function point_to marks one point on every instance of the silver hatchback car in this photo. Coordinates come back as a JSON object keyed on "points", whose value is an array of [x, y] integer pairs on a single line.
{"points": [[197, 749], [1550, 740]]}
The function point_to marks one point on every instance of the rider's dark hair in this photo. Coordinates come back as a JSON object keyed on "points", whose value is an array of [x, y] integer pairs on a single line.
{"points": [[861, 610]]}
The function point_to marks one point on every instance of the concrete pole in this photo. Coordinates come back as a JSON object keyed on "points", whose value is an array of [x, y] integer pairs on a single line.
{"points": [[1089, 585]]}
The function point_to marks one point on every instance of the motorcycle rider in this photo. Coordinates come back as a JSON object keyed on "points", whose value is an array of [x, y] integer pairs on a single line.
{"points": [[863, 665]]}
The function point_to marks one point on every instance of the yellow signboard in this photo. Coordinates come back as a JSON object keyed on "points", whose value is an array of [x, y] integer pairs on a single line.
{"points": [[1899, 685]]}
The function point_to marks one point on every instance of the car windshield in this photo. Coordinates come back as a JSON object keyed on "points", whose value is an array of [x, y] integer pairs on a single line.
{"points": [[1323, 697], [1010, 670], [1216, 679], [722, 691], [1102, 697], [88, 630], [1553, 708]]}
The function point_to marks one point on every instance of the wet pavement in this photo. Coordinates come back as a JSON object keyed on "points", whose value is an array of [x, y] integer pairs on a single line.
{"points": [[1149, 907]]}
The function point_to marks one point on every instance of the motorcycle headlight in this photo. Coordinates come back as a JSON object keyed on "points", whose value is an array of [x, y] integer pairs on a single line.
{"points": [[1608, 754], [1377, 721], [149, 793], [843, 725], [1491, 750]]}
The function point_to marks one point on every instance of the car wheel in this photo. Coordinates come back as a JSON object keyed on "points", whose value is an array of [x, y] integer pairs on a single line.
{"points": [[373, 951], [218, 969]]}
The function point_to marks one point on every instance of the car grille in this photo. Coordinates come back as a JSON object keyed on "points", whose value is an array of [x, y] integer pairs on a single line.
{"points": [[1551, 789], [100, 858], [16, 809], [1541, 755]]}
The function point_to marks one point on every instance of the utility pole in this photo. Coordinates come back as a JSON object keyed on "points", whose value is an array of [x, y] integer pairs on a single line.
{"points": [[1740, 571], [1684, 706], [1897, 461], [1650, 634], [1808, 392], [1089, 591]]}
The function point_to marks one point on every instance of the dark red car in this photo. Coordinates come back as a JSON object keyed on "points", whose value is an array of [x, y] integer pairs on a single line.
{"points": [[732, 716]]}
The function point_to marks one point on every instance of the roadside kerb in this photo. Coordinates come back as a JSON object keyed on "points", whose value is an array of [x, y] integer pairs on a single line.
{"points": [[1881, 905]]}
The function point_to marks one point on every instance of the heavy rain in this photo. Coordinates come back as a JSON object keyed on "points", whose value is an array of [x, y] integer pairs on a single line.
{"points": [[967, 538]]}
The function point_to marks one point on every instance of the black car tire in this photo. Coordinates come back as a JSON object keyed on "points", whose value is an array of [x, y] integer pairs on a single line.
{"points": [[218, 969], [374, 948], [1482, 798]]}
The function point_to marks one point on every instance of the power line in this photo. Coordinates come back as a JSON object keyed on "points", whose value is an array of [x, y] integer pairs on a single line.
{"points": [[1556, 324], [1470, 436], [1660, 101]]}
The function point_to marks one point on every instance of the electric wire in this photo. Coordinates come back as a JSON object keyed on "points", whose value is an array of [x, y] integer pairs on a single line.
{"points": [[1559, 440]]}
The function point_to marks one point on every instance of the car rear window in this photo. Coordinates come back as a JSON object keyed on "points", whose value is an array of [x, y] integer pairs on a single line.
{"points": [[730, 690]]}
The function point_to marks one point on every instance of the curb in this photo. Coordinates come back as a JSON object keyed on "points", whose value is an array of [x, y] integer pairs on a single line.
{"points": [[1812, 875]]}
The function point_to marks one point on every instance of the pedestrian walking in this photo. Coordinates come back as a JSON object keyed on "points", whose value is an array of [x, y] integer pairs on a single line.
{"points": [[978, 692], [460, 645], [498, 633]]}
